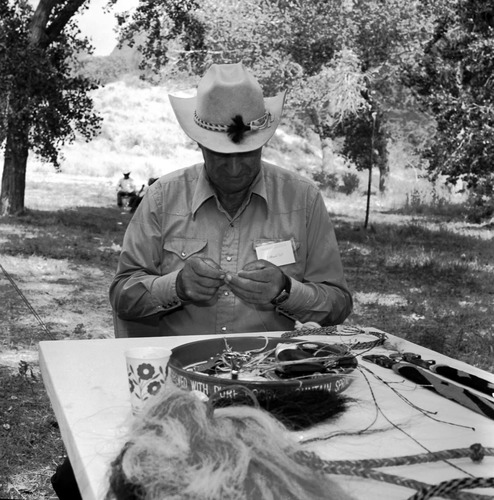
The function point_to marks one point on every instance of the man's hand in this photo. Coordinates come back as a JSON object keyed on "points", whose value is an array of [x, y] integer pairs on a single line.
{"points": [[259, 282], [199, 280]]}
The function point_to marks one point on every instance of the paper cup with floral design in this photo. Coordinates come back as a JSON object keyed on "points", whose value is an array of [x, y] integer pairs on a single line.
{"points": [[146, 369]]}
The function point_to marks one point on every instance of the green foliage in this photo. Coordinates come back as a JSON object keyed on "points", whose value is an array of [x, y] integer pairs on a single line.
{"points": [[327, 52], [325, 180], [453, 80], [161, 23], [365, 138], [45, 102], [350, 183], [480, 206], [108, 69], [333, 94], [431, 204], [330, 181]]}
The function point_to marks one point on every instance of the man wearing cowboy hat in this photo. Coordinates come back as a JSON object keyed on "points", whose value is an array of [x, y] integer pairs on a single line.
{"points": [[233, 244]]}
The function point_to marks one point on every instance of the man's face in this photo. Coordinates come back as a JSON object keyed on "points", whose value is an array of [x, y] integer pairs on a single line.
{"points": [[232, 173]]}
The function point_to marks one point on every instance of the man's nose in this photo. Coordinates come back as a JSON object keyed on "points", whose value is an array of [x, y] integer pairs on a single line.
{"points": [[235, 167]]}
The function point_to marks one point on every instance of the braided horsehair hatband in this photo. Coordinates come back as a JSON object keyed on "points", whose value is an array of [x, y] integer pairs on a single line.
{"points": [[259, 124]]}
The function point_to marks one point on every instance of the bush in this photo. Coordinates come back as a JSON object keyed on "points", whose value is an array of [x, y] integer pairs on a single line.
{"points": [[325, 180], [480, 208], [350, 182]]}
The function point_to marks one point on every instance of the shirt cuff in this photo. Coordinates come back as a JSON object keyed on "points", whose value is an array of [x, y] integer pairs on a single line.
{"points": [[164, 290]]}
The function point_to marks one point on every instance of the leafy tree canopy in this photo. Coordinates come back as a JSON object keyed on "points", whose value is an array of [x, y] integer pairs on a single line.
{"points": [[42, 96], [453, 78]]}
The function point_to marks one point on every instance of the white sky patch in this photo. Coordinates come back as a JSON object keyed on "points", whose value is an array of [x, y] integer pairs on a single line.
{"points": [[98, 24]]}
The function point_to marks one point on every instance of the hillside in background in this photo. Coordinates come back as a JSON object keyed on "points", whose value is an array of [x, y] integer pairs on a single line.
{"points": [[140, 134]]}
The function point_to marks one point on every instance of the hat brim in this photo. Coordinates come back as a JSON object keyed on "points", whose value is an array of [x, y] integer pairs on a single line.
{"points": [[184, 108]]}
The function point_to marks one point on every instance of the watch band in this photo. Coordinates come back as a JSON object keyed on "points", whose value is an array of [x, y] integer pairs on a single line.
{"points": [[285, 292]]}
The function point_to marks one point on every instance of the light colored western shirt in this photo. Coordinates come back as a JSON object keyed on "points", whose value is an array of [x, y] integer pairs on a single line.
{"points": [[180, 217]]}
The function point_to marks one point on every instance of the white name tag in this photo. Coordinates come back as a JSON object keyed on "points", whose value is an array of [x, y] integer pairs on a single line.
{"points": [[279, 254]]}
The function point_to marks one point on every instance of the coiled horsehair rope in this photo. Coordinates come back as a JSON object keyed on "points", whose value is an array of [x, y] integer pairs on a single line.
{"points": [[446, 489], [340, 332]]}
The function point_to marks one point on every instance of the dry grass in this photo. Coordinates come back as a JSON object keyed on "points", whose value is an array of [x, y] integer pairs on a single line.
{"points": [[31, 442]]}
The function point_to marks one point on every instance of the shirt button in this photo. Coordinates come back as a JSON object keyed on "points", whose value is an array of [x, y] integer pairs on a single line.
{"points": [[223, 328], [183, 254], [228, 259], [226, 293]]}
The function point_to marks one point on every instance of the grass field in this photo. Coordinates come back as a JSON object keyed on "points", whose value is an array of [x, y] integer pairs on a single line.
{"points": [[418, 271]]}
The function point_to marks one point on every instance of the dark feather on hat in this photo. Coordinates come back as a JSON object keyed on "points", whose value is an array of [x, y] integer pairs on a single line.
{"points": [[237, 129]]}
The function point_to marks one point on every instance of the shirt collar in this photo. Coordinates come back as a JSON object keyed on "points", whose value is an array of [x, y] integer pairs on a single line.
{"points": [[204, 190]]}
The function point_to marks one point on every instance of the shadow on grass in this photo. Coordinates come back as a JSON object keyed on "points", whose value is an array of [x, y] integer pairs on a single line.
{"points": [[82, 234], [434, 287]]}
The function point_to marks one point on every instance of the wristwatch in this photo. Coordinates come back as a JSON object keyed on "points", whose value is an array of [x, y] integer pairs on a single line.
{"points": [[285, 292]]}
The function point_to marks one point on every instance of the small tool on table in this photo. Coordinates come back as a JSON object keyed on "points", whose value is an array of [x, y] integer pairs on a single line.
{"points": [[464, 388]]}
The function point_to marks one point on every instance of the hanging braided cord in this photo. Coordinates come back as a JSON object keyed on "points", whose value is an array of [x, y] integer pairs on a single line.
{"points": [[446, 489], [455, 485], [27, 303]]}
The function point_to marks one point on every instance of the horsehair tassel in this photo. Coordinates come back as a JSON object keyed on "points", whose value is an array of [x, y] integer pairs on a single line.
{"points": [[237, 129], [296, 411]]}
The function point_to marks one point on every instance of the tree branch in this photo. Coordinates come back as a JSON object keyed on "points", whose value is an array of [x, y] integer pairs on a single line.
{"points": [[64, 16], [39, 22]]}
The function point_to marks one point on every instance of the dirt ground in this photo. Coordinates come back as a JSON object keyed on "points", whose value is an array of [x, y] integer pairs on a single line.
{"points": [[50, 295], [41, 298]]}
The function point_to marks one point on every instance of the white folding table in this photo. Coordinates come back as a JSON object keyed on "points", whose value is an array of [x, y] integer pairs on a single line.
{"points": [[87, 385]]}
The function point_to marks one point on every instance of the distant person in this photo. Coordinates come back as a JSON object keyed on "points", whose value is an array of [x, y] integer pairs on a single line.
{"points": [[137, 199], [232, 244], [126, 187]]}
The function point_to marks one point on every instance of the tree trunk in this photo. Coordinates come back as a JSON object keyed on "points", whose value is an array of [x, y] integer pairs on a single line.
{"points": [[383, 176], [383, 165], [380, 149], [39, 38], [18, 124], [328, 163], [14, 172]]}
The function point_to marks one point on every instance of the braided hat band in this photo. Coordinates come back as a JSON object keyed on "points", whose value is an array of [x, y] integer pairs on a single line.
{"points": [[259, 124]]}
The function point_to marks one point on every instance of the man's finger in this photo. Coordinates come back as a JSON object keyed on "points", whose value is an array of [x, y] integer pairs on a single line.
{"points": [[207, 268], [256, 265], [244, 286], [261, 276]]}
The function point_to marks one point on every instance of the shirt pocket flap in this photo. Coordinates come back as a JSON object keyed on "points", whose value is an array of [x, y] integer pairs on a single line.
{"points": [[185, 247]]}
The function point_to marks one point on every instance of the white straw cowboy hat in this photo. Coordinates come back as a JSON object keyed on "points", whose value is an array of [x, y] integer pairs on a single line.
{"points": [[229, 113]]}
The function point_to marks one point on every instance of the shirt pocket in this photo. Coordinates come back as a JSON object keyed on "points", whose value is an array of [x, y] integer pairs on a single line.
{"points": [[296, 270], [177, 250]]}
